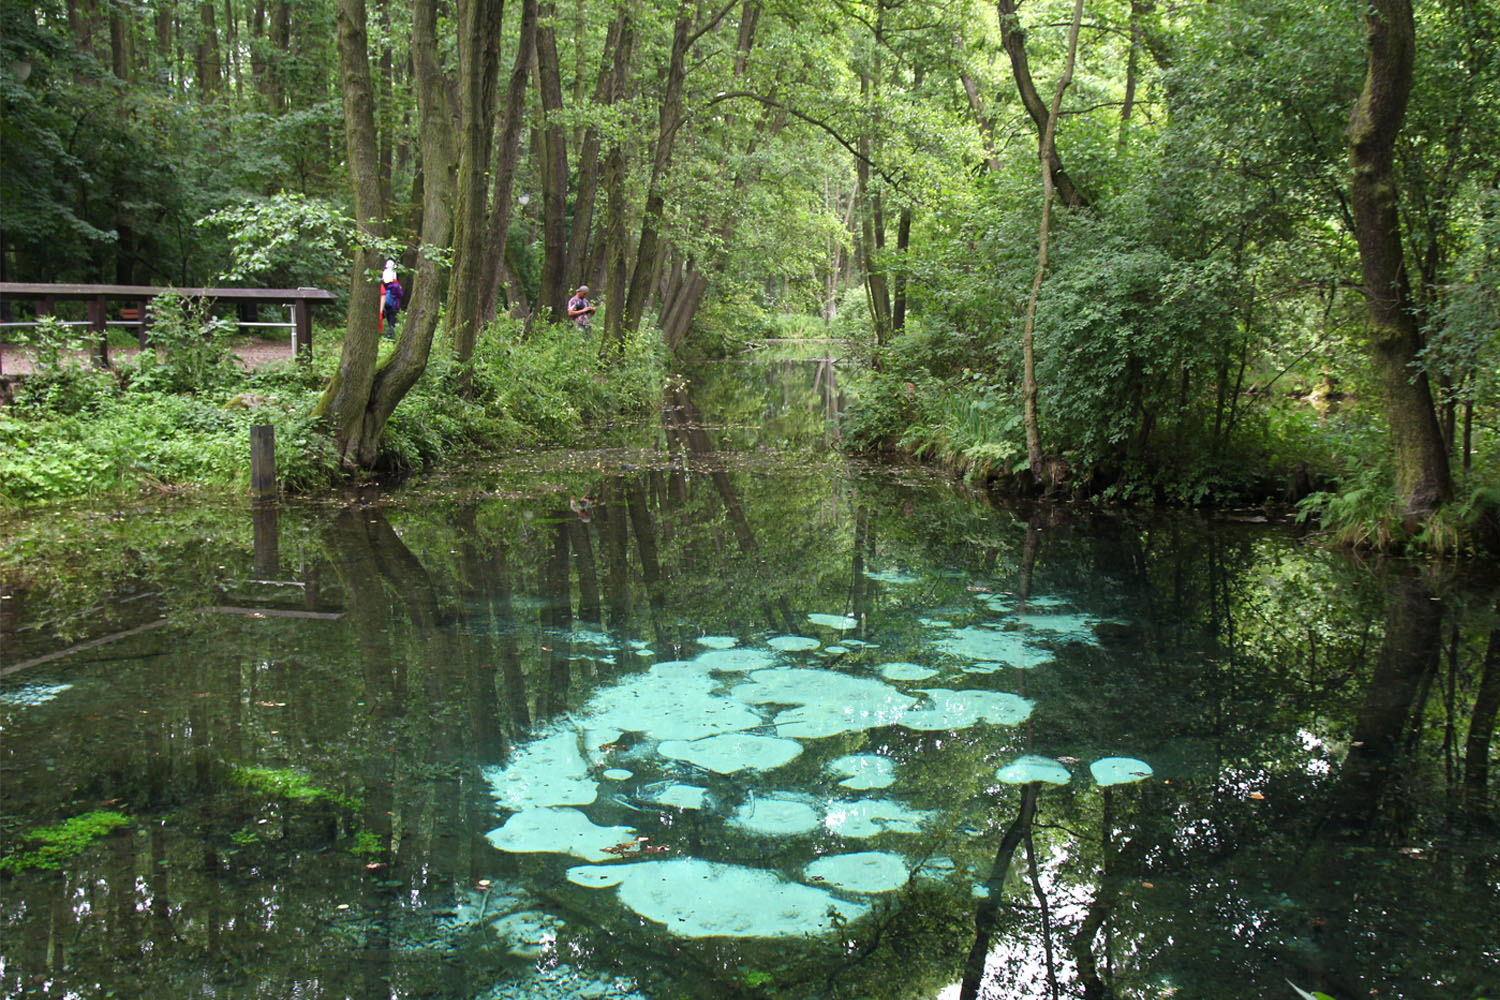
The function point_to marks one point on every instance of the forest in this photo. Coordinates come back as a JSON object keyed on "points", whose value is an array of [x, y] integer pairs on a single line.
{"points": [[1203, 254]]}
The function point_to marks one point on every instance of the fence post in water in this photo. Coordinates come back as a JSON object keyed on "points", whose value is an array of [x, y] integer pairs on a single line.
{"points": [[262, 462]]}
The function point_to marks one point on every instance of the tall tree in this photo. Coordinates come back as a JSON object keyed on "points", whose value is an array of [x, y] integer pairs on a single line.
{"points": [[507, 150], [478, 80], [648, 247], [553, 167], [1034, 458], [1013, 38], [346, 400], [1422, 474]]}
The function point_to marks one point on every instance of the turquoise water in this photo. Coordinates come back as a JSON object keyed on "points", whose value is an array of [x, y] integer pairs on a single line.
{"points": [[717, 713]]}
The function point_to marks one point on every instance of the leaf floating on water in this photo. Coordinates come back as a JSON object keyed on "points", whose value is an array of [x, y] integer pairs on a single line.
{"points": [[840, 622]]}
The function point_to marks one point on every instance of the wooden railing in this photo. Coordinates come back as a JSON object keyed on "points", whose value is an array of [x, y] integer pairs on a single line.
{"points": [[137, 301]]}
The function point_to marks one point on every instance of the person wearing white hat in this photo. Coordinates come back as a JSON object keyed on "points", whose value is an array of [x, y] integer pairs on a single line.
{"points": [[392, 296]]}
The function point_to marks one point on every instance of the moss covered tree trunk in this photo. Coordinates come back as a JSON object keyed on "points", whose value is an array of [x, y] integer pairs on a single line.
{"points": [[553, 169], [347, 396], [478, 86], [648, 248], [507, 151], [1422, 474]]}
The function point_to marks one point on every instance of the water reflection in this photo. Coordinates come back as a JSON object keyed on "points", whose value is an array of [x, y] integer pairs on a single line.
{"points": [[419, 753]]}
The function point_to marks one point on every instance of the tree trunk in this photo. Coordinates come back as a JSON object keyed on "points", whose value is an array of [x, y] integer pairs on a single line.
{"points": [[1132, 67], [648, 249], [688, 285], [407, 362], [478, 75], [1482, 727], [683, 300], [1034, 457], [1014, 41], [616, 262], [981, 117], [387, 114], [903, 243], [164, 25], [507, 150], [348, 393], [119, 45], [876, 288], [1422, 473], [588, 166], [209, 67], [232, 46], [281, 41], [553, 294]]}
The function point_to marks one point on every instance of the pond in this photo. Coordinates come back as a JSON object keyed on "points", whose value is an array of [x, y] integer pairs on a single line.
{"points": [[712, 711]]}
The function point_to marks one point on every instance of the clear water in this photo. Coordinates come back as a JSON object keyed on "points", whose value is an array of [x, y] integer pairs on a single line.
{"points": [[719, 714]]}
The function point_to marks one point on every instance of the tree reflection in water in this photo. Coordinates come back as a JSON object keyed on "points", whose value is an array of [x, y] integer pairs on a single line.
{"points": [[1320, 735]]}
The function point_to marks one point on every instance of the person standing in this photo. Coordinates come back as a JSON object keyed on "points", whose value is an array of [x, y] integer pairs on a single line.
{"points": [[392, 295], [579, 309]]}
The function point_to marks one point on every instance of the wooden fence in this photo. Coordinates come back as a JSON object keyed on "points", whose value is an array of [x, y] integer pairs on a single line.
{"points": [[135, 308]]}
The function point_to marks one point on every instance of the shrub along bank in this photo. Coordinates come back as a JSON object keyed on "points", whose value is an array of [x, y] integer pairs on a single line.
{"points": [[936, 397], [180, 416]]}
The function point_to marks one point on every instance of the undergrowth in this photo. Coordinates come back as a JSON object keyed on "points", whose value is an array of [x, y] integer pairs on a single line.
{"points": [[180, 417]]}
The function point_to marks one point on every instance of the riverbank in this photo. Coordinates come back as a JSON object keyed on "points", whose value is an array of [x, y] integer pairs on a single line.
{"points": [[181, 422], [1333, 469]]}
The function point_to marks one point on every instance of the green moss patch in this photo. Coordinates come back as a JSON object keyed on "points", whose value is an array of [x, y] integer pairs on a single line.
{"points": [[58, 844], [286, 783]]}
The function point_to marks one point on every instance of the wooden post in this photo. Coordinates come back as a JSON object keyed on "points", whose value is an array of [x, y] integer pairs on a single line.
{"points": [[262, 462], [100, 328], [142, 314], [302, 320]]}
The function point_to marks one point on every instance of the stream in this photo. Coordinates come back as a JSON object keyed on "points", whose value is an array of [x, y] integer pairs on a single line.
{"points": [[712, 710]]}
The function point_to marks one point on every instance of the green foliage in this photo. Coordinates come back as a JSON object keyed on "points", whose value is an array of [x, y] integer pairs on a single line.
{"points": [[980, 434], [286, 241], [366, 842], [189, 348], [60, 843], [1362, 514], [288, 783], [64, 380]]}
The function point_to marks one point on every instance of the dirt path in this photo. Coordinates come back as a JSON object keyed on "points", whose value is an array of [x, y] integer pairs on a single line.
{"points": [[251, 353]]}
